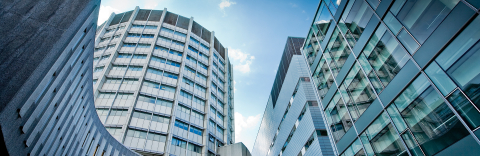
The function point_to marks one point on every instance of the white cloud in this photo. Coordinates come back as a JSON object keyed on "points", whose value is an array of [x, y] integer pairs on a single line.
{"points": [[240, 60], [150, 4], [226, 4], [105, 12], [234, 83], [244, 127]]}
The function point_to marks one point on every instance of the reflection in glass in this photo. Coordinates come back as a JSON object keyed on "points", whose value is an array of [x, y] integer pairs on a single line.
{"points": [[407, 41], [411, 144], [323, 19], [467, 38], [466, 73], [337, 117], [355, 149], [421, 18], [440, 78], [383, 137], [431, 121], [338, 50], [356, 21], [396, 118], [469, 113], [392, 23], [311, 47], [373, 3], [323, 78], [358, 94], [387, 58]]}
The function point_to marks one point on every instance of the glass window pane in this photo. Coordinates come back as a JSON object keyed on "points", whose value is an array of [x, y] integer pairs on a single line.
{"points": [[466, 73], [432, 123], [323, 19], [338, 50], [323, 77], [359, 92], [387, 142], [407, 41], [357, 19], [337, 117], [421, 18], [411, 144], [387, 58], [392, 23], [440, 78], [311, 48], [469, 113], [396, 118]]}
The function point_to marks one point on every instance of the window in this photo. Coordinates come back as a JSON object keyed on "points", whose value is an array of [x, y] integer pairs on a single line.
{"points": [[337, 117], [203, 56], [194, 148], [191, 59], [139, 56], [179, 143], [118, 112], [205, 47], [136, 134], [180, 34], [194, 40], [323, 77], [106, 95], [212, 110], [385, 56], [421, 18], [147, 83], [125, 96], [160, 119], [105, 57], [172, 63], [142, 115], [143, 45], [192, 49], [428, 117], [181, 125], [113, 80], [164, 39], [200, 88], [154, 71], [156, 137], [220, 116], [357, 92], [147, 99], [196, 131], [148, 36], [133, 35], [203, 77], [168, 88], [219, 131], [188, 69], [124, 55], [175, 52], [99, 49], [187, 81], [170, 75], [163, 29], [186, 95], [355, 148], [307, 145], [119, 67], [150, 27], [183, 109], [199, 101], [202, 65], [98, 69], [197, 115], [356, 21], [111, 47], [158, 59], [129, 44], [135, 68], [137, 26], [164, 103], [178, 43]]}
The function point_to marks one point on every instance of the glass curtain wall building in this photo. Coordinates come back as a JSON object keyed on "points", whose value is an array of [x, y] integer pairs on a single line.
{"points": [[292, 123], [163, 84], [398, 77]]}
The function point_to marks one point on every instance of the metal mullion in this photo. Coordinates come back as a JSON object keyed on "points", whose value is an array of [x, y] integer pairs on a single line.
{"points": [[468, 98], [407, 130]]}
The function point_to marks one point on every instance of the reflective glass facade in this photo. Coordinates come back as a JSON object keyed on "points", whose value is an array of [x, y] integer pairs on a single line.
{"points": [[163, 84], [397, 77]]}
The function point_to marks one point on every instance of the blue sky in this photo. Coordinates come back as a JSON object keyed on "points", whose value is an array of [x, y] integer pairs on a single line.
{"points": [[254, 31]]}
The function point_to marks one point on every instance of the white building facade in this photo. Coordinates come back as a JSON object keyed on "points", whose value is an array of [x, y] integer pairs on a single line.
{"points": [[163, 84]]}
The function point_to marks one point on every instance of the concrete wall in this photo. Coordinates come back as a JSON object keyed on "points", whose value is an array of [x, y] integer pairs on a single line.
{"points": [[236, 149], [46, 94]]}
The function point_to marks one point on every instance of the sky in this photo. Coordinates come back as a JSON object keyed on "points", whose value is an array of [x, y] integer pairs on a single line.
{"points": [[255, 33]]}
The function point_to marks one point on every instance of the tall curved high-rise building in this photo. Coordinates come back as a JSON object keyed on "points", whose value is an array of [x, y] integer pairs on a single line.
{"points": [[163, 84]]}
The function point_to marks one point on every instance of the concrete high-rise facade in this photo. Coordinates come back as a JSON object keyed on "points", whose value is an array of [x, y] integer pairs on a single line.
{"points": [[397, 77], [292, 123], [46, 92], [163, 84]]}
